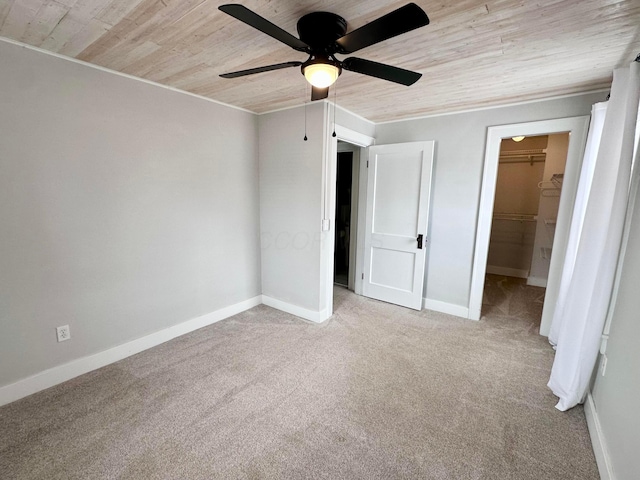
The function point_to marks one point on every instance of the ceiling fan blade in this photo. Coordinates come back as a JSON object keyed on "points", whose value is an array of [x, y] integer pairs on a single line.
{"points": [[268, 68], [380, 70], [399, 21], [319, 93], [245, 15]]}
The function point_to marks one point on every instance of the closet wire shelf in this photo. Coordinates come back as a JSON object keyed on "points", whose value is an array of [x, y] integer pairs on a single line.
{"points": [[552, 187]]}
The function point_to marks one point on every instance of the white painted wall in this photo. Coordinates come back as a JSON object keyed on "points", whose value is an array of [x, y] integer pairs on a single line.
{"points": [[616, 393], [125, 208], [460, 147], [549, 203]]}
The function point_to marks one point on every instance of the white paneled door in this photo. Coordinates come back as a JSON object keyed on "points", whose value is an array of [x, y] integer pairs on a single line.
{"points": [[398, 191]]}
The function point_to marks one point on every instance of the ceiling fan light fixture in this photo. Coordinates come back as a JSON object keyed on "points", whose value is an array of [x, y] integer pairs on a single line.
{"points": [[321, 75], [519, 138], [323, 34]]}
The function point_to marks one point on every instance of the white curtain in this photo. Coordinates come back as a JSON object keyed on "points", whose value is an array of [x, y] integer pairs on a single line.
{"points": [[595, 235], [598, 112]]}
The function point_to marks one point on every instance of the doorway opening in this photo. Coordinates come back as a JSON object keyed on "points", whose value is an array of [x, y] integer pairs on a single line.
{"points": [[576, 128], [346, 214], [355, 142], [391, 184], [525, 211], [343, 219]]}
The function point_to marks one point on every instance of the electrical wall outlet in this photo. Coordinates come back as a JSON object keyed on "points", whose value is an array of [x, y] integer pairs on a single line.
{"points": [[64, 333]]}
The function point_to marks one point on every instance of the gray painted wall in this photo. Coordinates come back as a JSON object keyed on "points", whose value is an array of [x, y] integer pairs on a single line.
{"points": [[291, 204], [294, 248], [459, 156], [616, 394], [125, 208]]}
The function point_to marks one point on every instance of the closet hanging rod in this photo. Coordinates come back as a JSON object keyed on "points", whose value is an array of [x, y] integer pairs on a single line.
{"points": [[527, 152], [522, 155], [525, 159], [520, 217]]}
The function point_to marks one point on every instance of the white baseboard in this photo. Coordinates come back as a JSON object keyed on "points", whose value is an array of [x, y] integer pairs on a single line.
{"points": [[537, 282], [444, 307], [62, 373], [317, 317], [507, 272], [598, 441]]}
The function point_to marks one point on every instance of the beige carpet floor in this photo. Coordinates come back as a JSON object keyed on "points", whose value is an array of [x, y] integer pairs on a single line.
{"points": [[377, 392]]}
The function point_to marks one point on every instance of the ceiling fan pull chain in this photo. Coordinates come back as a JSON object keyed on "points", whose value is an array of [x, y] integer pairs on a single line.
{"points": [[335, 93], [305, 113]]}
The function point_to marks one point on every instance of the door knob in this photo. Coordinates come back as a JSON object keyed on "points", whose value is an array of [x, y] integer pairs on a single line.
{"points": [[419, 239]]}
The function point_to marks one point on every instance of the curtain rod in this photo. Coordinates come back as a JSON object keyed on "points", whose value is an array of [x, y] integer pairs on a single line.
{"points": [[636, 60]]}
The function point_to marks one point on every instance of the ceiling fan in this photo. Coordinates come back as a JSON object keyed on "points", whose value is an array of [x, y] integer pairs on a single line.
{"points": [[323, 34]]}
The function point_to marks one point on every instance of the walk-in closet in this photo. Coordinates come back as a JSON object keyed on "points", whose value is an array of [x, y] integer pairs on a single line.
{"points": [[528, 189]]}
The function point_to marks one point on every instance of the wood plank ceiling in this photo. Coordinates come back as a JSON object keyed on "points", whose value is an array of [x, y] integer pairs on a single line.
{"points": [[473, 54]]}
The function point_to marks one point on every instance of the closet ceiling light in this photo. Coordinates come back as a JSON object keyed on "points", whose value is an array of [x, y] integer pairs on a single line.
{"points": [[517, 139]]}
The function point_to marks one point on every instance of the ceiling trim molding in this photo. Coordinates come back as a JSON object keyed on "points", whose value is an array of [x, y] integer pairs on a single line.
{"points": [[491, 107], [432, 115], [290, 107], [120, 74], [217, 102], [360, 117], [356, 115]]}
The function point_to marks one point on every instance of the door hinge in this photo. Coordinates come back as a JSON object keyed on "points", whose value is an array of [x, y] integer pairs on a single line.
{"points": [[367, 163], [363, 276]]}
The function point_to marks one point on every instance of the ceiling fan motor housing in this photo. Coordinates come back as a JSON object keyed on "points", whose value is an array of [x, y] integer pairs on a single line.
{"points": [[323, 34], [320, 30]]}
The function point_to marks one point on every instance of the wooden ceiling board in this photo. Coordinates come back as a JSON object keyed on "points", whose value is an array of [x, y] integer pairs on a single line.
{"points": [[472, 55]]}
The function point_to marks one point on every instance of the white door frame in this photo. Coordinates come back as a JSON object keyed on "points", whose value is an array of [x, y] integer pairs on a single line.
{"points": [[329, 213], [577, 128]]}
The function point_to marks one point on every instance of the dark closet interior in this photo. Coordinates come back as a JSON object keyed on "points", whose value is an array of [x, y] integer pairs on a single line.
{"points": [[343, 218]]}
